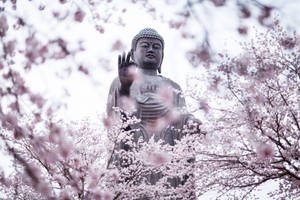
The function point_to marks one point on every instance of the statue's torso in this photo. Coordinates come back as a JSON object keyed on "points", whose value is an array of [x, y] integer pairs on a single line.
{"points": [[147, 93], [152, 108]]}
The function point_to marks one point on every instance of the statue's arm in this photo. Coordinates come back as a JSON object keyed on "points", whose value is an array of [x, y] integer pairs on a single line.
{"points": [[120, 85]]}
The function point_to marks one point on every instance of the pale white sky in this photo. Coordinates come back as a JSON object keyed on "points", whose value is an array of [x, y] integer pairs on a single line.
{"points": [[88, 94]]}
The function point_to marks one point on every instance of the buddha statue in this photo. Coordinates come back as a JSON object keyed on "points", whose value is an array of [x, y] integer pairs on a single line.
{"points": [[159, 102]]}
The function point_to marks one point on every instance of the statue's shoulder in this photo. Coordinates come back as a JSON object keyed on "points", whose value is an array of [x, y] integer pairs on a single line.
{"points": [[172, 83], [116, 81]]}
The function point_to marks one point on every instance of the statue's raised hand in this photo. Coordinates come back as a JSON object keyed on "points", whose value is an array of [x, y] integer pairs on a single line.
{"points": [[125, 69]]}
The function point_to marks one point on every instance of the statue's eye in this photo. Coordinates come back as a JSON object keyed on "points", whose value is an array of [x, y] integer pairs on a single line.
{"points": [[156, 46]]}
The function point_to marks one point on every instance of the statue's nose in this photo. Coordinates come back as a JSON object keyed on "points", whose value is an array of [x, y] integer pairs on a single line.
{"points": [[150, 49]]}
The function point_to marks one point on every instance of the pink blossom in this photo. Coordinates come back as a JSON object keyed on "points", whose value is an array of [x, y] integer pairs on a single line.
{"points": [[61, 180], [157, 158], [158, 125], [218, 3], [37, 117], [55, 132], [118, 46], [44, 189], [49, 111], [187, 36], [6, 76], [79, 15], [37, 99], [265, 151], [3, 180], [13, 106], [65, 148], [11, 47], [42, 52], [62, 1], [18, 78], [3, 25], [265, 13], [288, 43], [93, 180], [103, 195], [34, 173], [198, 55], [172, 116], [128, 104], [242, 65], [100, 29], [66, 193], [18, 132], [166, 95], [114, 174], [107, 122], [203, 105], [176, 25], [243, 30], [77, 163], [9, 121], [51, 157], [246, 13], [83, 70], [107, 196], [259, 99], [132, 73], [42, 7], [215, 83]]}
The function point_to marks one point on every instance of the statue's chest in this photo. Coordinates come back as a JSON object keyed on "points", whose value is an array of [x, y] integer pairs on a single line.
{"points": [[149, 102], [147, 85]]}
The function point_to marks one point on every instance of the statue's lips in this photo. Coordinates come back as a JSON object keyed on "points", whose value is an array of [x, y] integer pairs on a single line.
{"points": [[150, 56]]}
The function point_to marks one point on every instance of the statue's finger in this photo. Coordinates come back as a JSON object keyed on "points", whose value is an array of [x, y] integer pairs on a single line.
{"points": [[128, 58], [123, 58], [119, 61]]}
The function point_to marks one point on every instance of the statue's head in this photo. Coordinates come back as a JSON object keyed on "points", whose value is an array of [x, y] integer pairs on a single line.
{"points": [[147, 49]]}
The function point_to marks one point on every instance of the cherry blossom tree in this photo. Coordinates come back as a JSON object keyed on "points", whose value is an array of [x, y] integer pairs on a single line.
{"points": [[255, 136]]}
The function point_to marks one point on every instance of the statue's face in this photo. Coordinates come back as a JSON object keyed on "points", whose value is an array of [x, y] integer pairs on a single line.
{"points": [[148, 53]]}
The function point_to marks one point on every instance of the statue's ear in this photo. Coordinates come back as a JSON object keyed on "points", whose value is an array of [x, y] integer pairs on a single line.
{"points": [[159, 68]]}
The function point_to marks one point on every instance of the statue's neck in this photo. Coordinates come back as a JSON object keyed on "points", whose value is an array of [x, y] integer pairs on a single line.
{"points": [[149, 72]]}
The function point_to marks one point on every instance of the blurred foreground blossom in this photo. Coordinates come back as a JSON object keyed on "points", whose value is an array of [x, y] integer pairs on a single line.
{"points": [[156, 158], [9, 121], [79, 15], [265, 151], [3, 25], [166, 95], [128, 104], [158, 125]]}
